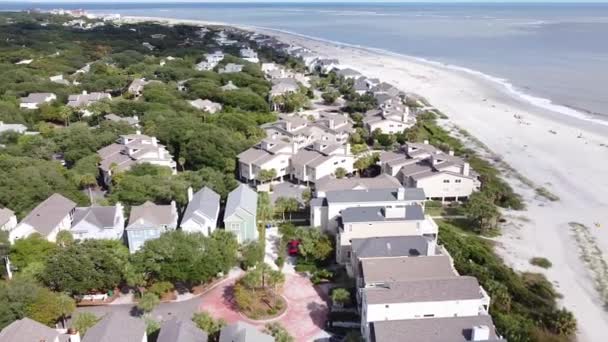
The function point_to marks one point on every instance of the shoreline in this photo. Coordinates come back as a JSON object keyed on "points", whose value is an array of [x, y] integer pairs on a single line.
{"points": [[563, 154]]}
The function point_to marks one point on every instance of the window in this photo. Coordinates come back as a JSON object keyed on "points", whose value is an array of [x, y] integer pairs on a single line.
{"points": [[386, 306], [458, 181], [446, 180], [335, 163], [429, 315]]}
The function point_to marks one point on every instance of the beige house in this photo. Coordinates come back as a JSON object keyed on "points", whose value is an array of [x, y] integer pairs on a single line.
{"points": [[321, 160], [133, 149], [371, 222], [389, 118], [327, 127]]}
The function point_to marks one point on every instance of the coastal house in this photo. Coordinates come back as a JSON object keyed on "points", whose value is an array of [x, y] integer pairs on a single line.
{"points": [[387, 89], [387, 247], [382, 181], [327, 127], [243, 332], [181, 330], [210, 62], [51, 216], [28, 330], [17, 128], [453, 329], [59, 80], [8, 220], [321, 160], [240, 216], [360, 86], [389, 119], [280, 87], [148, 221], [129, 120], [325, 212], [132, 149], [34, 100], [443, 176], [82, 101], [117, 327], [380, 270], [231, 68], [325, 65], [249, 55], [206, 105], [136, 87], [99, 222], [202, 212], [372, 222], [229, 86], [269, 154], [422, 300], [347, 73]]}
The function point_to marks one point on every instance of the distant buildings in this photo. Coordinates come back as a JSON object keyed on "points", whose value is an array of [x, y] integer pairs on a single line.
{"points": [[231, 68], [249, 55], [17, 128], [82, 101], [206, 105]]}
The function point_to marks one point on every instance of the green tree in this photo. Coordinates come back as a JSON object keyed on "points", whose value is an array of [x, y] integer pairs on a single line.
{"points": [[265, 176], [83, 321], [148, 302], [481, 210], [64, 238], [66, 306], [264, 209], [252, 253], [330, 96], [160, 288], [152, 327], [47, 307], [314, 245], [277, 331], [29, 250], [306, 196], [340, 172], [205, 322], [340, 296], [286, 204]]}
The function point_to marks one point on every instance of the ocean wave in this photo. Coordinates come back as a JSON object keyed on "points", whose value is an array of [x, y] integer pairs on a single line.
{"points": [[503, 83]]}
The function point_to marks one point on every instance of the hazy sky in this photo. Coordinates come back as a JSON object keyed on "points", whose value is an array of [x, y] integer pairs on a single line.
{"points": [[317, 1]]}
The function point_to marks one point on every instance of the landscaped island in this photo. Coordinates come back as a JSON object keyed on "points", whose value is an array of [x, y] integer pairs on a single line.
{"points": [[144, 162]]}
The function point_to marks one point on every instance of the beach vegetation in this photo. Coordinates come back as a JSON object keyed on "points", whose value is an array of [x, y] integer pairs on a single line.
{"points": [[541, 262]]}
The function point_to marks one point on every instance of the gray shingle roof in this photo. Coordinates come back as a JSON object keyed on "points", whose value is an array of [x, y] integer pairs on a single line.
{"points": [[425, 290], [116, 327], [27, 330], [37, 98], [241, 197], [101, 217], [378, 214], [243, 332], [205, 203], [379, 270], [151, 215], [383, 181], [448, 329], [5, 215], [48, 214], [374, 195], [181, 331], [390, 246]]}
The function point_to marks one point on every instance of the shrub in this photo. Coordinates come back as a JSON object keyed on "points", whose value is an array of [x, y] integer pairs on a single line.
{"points": [[280, 262], [160, 288], [340, 296], [541, 262], [321, 276]]}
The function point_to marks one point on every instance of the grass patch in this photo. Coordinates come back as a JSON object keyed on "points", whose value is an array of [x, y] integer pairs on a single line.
{"points": [[541, 262], [543, 192]]}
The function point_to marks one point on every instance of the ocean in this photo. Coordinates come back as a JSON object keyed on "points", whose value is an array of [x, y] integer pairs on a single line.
{"points": [[548, 54]]}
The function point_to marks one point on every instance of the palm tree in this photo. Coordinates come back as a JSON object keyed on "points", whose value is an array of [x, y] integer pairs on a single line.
{"points": [[66, 306]]}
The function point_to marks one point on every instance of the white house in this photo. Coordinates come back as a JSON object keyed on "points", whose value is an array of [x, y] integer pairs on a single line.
{"points": [[202, 212], [210, 62], [231, 68], [371, 222], [325, 212], [249, 55], [206, 105], [133, 149], [382, 181], [8, 220], [51, 216], [34, 100], [107, 222], [321, 160], [82, 101], [18, 128], [422, 299], [270, 154], [390, 119]]}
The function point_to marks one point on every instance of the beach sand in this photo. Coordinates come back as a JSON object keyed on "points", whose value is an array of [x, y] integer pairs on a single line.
{"points": [[565, 155]]}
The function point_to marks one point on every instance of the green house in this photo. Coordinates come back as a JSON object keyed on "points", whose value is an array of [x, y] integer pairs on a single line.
{"points": [[240, 213]]}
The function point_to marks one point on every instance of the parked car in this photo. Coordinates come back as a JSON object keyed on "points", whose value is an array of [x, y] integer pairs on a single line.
{"points": [[293, 247]]}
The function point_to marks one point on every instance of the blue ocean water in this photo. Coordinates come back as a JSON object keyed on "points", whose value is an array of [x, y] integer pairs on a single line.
{"points": [[553, 51]]}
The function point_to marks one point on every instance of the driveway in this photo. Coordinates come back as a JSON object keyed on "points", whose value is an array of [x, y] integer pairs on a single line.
{"points": [[304, 318]]}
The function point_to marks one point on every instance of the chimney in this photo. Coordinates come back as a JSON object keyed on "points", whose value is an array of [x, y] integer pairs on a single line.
{"points": [[388, 246], [480, 333], [347, 149], [136, 117], [119, 207], [190, 194], [332, 123], [84, 92], [74, 336], [288, 126], [393, 213], [451, 152], [466, 169], [401, 194], [426, 142], [138, 132], [154, 141]]}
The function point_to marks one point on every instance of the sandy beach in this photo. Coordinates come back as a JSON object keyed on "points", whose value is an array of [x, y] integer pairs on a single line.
{"points": [[564, 154]]}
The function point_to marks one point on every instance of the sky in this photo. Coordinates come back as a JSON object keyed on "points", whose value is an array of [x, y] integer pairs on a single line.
{"points": [[316, 1]]}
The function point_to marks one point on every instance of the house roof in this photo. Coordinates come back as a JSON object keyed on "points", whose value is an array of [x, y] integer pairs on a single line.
{"points": [[252, 155], [36, 98], [378, 214], [243, 332], [374, 195], [5, 215], [100, 217], [425, 290], [390, 246], [27, 330], [242, 197], [128, 119], [205, 203], [382, 181], [446, 329], [149, 214], [379, 270], [116, 327], [48, 214], [176, 330]]}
